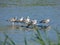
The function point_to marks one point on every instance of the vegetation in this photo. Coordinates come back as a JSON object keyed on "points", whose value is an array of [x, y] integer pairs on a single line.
{"points": [[29, 3], [8, 40], [38, 38]]}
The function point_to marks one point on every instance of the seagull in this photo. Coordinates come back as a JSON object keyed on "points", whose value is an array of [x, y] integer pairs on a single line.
{"points": [[21, 19], [33, 22], [45, 21], [27, 20], [13, 20]]}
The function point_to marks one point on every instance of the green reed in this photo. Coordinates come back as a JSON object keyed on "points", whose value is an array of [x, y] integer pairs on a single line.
{"points": [[58, 34], [25, 40], [38, 38], [8, 40]]}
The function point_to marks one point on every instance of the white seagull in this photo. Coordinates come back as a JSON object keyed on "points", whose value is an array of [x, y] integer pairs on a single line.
{"points": [[27, 20], [13, 20], [33, 22], [21, 19], [45, 21]]}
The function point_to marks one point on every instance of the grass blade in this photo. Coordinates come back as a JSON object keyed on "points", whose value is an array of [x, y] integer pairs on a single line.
{"points": [[5, 41], [25, 40]]}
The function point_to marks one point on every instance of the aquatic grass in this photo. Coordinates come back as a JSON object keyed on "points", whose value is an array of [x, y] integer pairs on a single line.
{"points": [[47, 39], [12, 42], [1, 42], [6, 37], [38, 37], [25, 40], [58, 34], [8, 40]]}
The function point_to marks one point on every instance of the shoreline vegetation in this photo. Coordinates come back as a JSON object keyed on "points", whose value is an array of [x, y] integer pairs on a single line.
{"points": [[7, 5]]}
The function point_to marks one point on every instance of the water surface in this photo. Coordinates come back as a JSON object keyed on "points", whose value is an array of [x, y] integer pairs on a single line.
{"points": [[35, 12]]}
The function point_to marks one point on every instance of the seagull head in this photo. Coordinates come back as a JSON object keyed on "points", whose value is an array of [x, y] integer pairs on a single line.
{"points": [[48, 20]]}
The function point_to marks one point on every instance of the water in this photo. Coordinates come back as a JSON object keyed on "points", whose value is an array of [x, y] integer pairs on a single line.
{"points": [[35, 12]]}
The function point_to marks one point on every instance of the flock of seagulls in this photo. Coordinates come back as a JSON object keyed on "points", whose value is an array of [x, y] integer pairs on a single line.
{"points": [[28, 21]]}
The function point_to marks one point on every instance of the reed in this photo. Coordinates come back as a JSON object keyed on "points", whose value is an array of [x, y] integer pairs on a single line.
{"points": [[25, 41], [38, 38], [8, 40], [58, 34]]}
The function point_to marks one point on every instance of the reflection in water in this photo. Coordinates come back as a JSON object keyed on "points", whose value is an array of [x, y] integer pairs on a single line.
{"points": [[14, 27], [21, 27], [24, 27], [45, 27]]}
